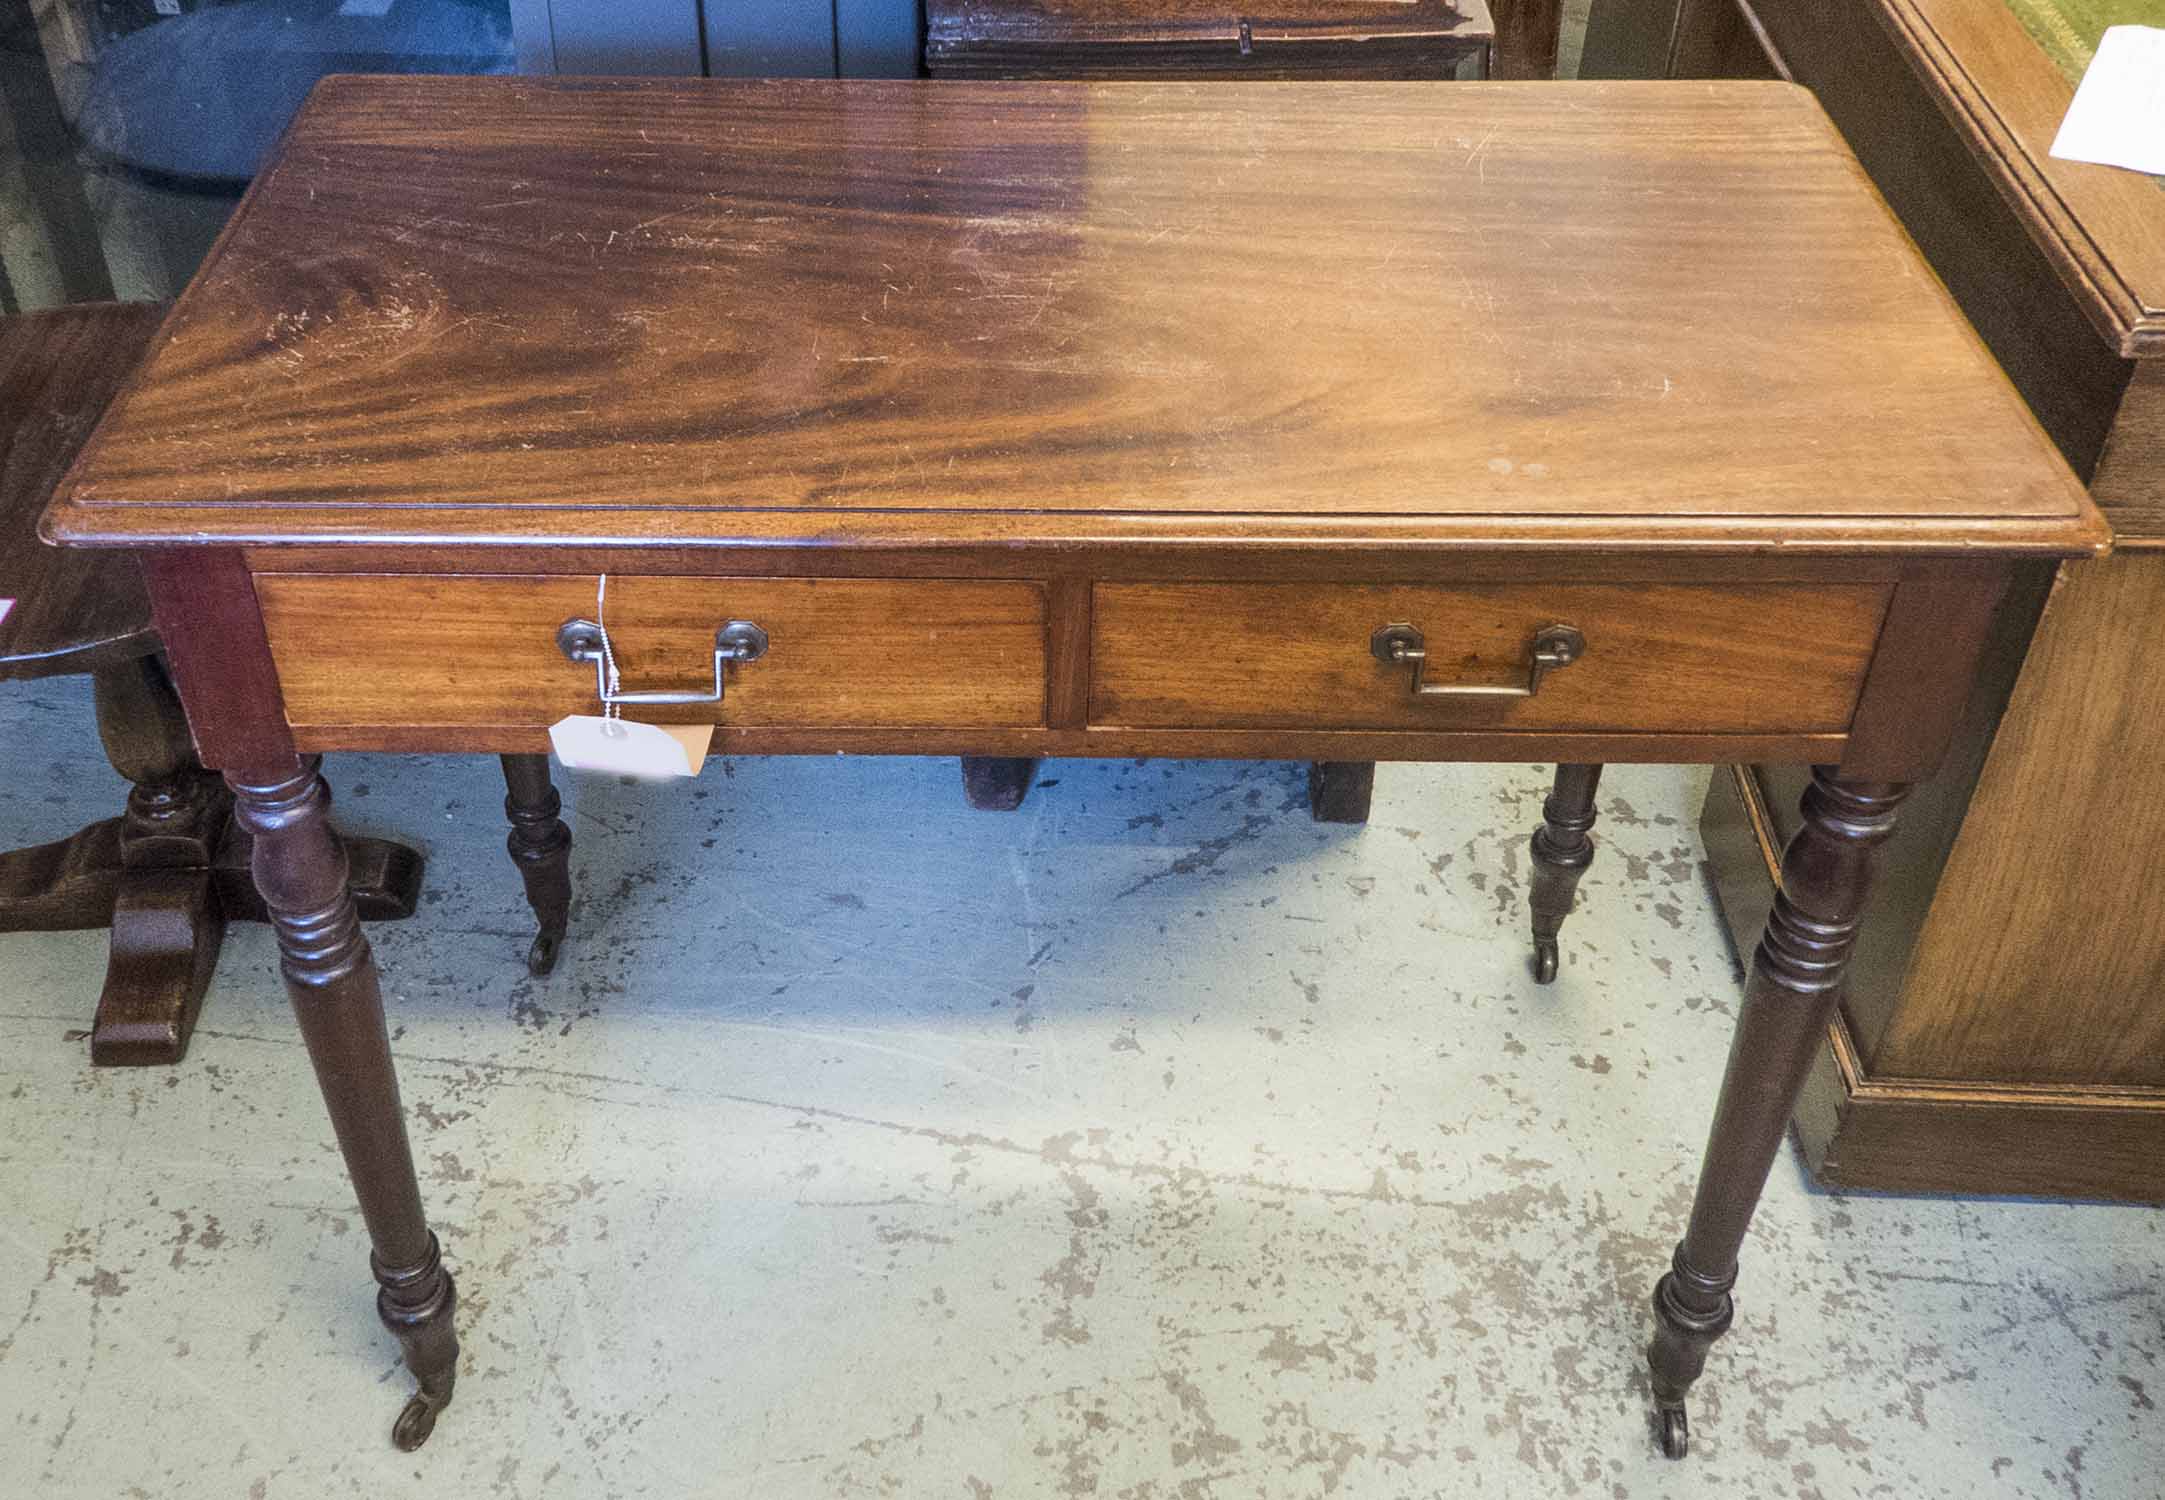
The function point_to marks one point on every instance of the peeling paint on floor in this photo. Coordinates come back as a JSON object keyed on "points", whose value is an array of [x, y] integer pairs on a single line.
{"points": [[1152, 1141]]}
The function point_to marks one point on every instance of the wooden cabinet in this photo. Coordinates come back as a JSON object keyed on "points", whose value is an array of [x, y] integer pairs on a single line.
{"points": [[1990, 1043]]}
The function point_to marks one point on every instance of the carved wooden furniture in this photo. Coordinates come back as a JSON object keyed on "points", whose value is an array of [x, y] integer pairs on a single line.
{"points": [[1077, 419], [1159, 39], [170, 871], [2003, 1033]]}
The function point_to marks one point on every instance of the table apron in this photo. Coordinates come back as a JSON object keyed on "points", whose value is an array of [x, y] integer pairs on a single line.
{"points": [[1703, 665], [1261, 668], [1196, 744]]}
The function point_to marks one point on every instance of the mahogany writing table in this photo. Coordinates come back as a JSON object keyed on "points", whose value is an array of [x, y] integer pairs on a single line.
{"points": [[1367, 421]]}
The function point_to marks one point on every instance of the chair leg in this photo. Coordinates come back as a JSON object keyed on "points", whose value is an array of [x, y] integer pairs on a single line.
{"points": [[1562, 849], [540, 847], [997, 783]]}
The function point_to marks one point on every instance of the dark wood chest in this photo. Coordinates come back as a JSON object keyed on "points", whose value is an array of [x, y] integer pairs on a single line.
{"points": [[1202, 38]]}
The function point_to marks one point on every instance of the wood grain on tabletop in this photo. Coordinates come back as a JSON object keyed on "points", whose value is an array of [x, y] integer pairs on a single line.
{"points": [[73, 611], [573, 309]]}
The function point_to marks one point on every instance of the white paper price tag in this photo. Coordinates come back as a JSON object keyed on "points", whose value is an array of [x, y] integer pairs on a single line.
{"points": [[2116, 119], [655, 751]]}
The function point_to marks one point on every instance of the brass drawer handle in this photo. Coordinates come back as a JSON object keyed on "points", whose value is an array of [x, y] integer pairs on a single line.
{"points": [[1553, 647], [581, 640]]}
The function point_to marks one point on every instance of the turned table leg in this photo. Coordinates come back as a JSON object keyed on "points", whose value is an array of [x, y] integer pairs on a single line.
{"points": [[540, 846], [1796, 979], [300, 868], [1562, 849]]}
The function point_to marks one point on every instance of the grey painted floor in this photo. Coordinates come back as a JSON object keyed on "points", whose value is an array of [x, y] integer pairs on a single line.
{"points": [[1152, 1141]]}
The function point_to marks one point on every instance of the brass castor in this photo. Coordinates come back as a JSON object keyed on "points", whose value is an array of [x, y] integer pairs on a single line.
{"points": [[418, 1420]]}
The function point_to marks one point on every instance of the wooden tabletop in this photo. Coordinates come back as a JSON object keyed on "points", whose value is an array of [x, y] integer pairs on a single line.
{"points": [[707, 312], [73, 611]]}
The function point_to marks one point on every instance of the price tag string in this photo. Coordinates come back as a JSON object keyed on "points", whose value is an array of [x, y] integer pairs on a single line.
{"points": [[610, 676]]}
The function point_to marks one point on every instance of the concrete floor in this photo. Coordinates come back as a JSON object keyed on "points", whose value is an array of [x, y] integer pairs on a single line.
{"points": [[1150, 1142]]}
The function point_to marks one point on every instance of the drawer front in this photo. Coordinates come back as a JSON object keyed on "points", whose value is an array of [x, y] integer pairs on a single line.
{"points": [[417, 650], [1658, 657]]}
